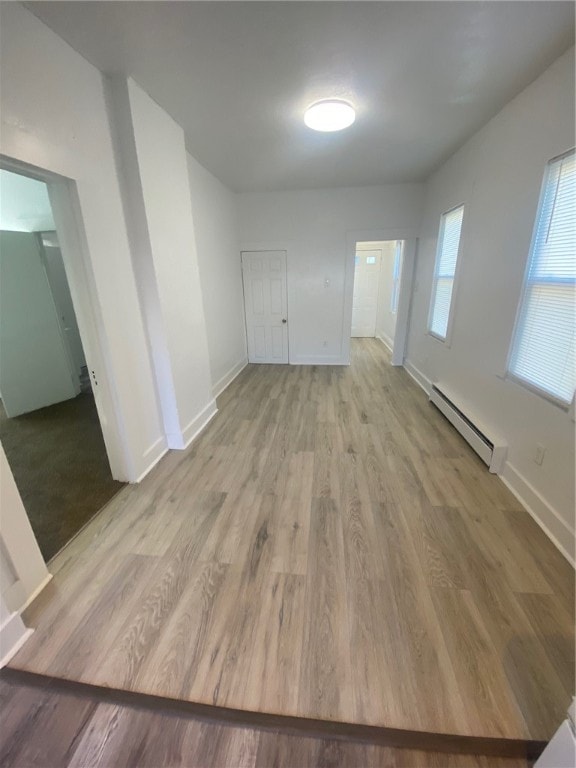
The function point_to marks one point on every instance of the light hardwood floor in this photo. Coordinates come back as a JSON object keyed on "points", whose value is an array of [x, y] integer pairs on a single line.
{"points": [[329, 547]]}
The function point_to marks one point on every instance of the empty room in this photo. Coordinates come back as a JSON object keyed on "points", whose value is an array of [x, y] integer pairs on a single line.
{"points": [[322, 261]]}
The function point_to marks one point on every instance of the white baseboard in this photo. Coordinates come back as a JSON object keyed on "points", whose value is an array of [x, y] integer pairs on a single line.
{"points": [[199, 422], [13, 635], [156, 451], [228, 378], [418, 376], [35, 593], [386, 340], [557, 530], [180, 442], [319, 360]]}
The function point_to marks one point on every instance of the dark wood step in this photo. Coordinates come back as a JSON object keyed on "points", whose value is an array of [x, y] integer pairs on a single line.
{"points": [[297, 726]]}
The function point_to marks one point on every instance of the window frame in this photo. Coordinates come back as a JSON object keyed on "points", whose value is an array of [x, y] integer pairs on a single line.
{"points": [[522, 303], [446, 340]]}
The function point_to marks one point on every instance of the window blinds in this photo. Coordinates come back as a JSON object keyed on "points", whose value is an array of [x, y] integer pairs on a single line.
{"points": [[445, 269], [543, 346]]}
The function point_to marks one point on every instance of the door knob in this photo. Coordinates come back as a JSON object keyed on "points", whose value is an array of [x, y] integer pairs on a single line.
{"points": [[284, 320]]}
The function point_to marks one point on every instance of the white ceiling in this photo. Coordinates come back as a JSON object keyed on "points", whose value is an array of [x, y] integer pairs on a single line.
{"points": [[238, 76]]}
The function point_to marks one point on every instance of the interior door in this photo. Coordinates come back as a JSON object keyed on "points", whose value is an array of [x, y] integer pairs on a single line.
{"points": [[34, 364], [365, 303], [266, 305], [58, 281]]}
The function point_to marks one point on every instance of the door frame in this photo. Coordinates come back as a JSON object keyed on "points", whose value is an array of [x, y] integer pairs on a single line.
{"points": [[69, 225], [410, 237]]}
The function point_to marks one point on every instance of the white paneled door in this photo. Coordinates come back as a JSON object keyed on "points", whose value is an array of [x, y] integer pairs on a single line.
{"points": [[266, 303], [366, 280]]}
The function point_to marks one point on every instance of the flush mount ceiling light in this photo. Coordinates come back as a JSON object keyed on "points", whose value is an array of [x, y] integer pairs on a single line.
{"points": [[329, 115]]}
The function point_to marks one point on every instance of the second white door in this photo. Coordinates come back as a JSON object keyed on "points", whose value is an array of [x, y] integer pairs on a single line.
{"points": [[366, 280], [266, 303]]}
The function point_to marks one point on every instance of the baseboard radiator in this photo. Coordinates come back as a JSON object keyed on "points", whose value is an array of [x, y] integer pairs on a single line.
{"points": [[491, 449]]}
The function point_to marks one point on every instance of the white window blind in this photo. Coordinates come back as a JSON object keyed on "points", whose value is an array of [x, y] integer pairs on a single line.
{"points": [[542, 352], [444, 271], [396, 269]]}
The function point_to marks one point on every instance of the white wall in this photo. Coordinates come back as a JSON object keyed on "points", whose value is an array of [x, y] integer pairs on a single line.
{"points": [[54, 117], [22, 569], [162, 167], [216, 225], [316, 228], [497, 175], [22, 565]]}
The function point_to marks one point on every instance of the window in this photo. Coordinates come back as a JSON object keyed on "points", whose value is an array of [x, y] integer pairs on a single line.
{"points": [[542, 353], [370, 259], [444, 271], [396, 269]]}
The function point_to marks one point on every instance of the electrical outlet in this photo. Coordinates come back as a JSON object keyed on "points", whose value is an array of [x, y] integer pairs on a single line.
{"points": [[539, 453]]}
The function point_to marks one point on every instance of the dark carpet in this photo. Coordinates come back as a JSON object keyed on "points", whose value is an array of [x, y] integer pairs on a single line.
{"points": [[59, 462]]}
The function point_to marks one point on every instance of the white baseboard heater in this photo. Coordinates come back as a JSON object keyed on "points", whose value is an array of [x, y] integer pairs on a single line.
{"points": [[491, 448]]}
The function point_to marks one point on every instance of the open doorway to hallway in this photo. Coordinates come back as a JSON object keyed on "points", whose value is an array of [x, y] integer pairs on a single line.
{"points": [[377, 272], [49, 425]]}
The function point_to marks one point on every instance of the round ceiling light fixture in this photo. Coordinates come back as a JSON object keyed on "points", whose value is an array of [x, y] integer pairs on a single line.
{"points": [[329, 115]]}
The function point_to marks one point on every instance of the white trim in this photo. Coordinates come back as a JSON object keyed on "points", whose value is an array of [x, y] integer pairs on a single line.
{"points": [[225, 381], [319, 360], [13, 635], [266, 245], [385, 339], [160, 449], [151, 465], [160, 443], [557, 530], [423, 381], [197, 424], [36, 592]]}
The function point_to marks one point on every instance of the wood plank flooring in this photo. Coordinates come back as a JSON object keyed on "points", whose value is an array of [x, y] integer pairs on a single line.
{"points": [[47, 727], [328, 548]]}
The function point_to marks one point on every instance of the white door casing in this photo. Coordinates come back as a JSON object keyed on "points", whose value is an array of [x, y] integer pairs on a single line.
{"points": [[365, 302], [266, 305]]}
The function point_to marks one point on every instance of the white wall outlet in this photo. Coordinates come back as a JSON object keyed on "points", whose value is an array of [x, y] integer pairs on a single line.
{"points": [[539, 453]]}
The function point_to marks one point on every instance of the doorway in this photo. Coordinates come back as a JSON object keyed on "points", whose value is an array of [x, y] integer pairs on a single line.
{"points": [[49, 424], [377, 271], [266, 305]]}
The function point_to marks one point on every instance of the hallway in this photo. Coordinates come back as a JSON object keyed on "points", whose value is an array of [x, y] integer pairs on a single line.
{"points": [[328, 548]]}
